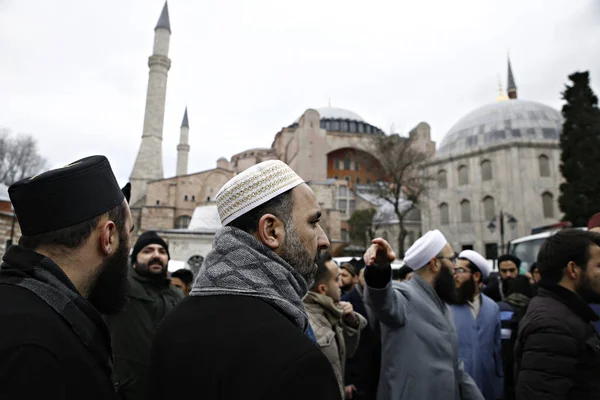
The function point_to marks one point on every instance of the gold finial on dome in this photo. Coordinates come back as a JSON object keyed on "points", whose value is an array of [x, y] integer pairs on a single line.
{"points": [[501, 95]]}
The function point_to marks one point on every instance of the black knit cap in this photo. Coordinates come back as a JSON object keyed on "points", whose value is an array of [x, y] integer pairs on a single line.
{"points": [[65, 196], [145, 239]]}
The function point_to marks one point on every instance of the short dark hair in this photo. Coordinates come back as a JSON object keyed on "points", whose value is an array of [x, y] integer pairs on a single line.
{"points": [[350, 268], [563, 247], [401, 272], [185, 275], [510, 257], [74, 236], [322, 273], [519, 284], [280, 206]]}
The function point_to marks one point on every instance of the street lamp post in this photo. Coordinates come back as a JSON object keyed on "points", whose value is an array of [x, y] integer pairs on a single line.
{"points": [[512, 222]]}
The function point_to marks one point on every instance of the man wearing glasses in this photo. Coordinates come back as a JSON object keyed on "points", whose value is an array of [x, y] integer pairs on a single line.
{"points": [[477, 320], [419, 341]]}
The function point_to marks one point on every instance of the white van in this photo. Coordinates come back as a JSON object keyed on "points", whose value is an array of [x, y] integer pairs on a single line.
{"points": [[528, 247]]}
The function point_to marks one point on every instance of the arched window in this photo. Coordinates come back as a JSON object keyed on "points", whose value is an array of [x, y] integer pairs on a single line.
{"points": [[185, 198], [444, 214], [183, 222], [442, 179], [544, 166], [193, 198], [465, 211], [488, 208], [357, 180], [346, 162], [548, 204], [463, 175], [486, 170]]}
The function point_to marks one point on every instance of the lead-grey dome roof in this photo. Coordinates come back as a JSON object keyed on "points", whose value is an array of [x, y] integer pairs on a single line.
{"points": [[502, 121]]}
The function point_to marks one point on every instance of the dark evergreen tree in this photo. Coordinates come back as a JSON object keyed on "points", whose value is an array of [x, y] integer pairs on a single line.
{"points": [[580, 156]]}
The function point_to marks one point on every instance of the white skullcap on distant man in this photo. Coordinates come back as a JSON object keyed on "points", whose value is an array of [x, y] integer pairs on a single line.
{"points": [[253, 187], [477, 259], [424, 249]]}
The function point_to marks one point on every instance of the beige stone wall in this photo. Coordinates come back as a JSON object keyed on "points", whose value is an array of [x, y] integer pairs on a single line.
{"points": [[157, 217], [516, 187], [182, 194]]}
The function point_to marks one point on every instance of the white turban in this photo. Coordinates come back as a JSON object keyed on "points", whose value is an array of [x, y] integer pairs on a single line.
{"points": [[253, 187], [478, 260], [424, 249]]}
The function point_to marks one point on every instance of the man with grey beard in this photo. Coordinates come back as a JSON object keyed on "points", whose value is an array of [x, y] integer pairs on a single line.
{"points": [[241, 334]]}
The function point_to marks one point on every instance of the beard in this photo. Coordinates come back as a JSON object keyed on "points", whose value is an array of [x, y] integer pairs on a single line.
{"points": [[347, 288], [584, 288], [108, 292], [295, 254], [444, 285], [143, 269], [465, 293]]}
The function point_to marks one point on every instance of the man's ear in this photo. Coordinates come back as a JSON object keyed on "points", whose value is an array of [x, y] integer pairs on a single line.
{"points": [[434, 266], [322, 288], [572, 271], [271, 231], [108, 237], [477, 277]]}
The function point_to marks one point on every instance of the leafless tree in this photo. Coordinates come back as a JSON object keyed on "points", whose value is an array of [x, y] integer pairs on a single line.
{"points": [[19, 157], [403, 182]]}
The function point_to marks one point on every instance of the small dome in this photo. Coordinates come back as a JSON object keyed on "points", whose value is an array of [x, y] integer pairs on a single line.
{"points": [[502, 121], [337, 113], [221, 159]]}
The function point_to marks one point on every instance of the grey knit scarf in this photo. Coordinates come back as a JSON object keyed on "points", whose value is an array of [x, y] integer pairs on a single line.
{"points": [[240, 265]]}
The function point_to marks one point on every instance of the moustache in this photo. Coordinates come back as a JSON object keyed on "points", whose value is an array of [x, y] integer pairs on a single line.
{"points": [[156, 260]]}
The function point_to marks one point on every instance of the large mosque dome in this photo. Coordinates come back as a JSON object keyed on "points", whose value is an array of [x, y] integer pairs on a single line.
{"points": [[500, 122], [341, 120]]}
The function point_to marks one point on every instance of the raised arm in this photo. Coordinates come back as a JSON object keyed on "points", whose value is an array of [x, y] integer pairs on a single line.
{"points": [[388, 304]]}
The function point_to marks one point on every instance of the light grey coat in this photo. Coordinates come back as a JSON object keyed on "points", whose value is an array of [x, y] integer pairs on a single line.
{"points": [[419, 344]]}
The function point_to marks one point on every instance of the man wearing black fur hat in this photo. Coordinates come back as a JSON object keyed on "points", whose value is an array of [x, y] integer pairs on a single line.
{"points": [[151, 297], [69, 267]]}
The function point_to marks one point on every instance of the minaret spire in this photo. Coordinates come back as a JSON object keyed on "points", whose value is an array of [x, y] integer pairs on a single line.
{"points": [[511, 87], [148, 163], [183, 148]]}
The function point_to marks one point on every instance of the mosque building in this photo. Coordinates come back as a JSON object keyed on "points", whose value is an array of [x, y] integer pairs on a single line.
{"points": [[498, 165], [327, 146], [500, 159]]}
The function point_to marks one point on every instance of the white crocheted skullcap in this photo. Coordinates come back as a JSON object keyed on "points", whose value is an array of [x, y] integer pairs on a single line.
{"points": [[253, 187]]}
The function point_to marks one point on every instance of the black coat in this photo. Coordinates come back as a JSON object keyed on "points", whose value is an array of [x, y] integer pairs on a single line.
{"points": [[362, 370], [40, 355], [236, 347], [558, 350]]}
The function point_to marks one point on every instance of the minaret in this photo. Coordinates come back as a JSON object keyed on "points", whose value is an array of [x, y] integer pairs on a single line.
{"points": [[183, 148], [511, 88], [148, 164]]}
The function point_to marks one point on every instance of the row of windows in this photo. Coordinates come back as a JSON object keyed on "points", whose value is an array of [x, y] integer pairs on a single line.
{"points": [[357, 180], [347, 164], [185, 198], [348, 126], [489, 209], [486, 172]]}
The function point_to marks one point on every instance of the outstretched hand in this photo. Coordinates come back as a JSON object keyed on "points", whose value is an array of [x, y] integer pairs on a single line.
{"points": [[380, 252]]}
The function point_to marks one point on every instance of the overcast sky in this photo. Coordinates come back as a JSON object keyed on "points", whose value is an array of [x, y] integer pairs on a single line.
{"points": [[74, 73]]}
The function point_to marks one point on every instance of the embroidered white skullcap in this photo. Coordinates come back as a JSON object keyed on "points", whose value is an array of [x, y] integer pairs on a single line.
{"points": [[253, 187], [478, 260], [424, 249]]}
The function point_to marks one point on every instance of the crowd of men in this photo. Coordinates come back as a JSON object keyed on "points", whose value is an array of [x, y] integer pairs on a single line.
{"points": [[270, 315]]}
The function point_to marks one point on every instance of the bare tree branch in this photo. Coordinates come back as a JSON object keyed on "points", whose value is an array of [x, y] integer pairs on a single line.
{"points": [[19, 157], [403, 182]]}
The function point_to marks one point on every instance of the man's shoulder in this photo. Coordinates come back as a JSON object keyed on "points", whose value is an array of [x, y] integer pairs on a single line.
{"points": [[487, 302], [27, 319]]}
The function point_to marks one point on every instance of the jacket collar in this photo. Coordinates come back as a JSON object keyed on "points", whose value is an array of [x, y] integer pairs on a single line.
{"points": [[571, 299], [425, 286], [332, 312]]}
